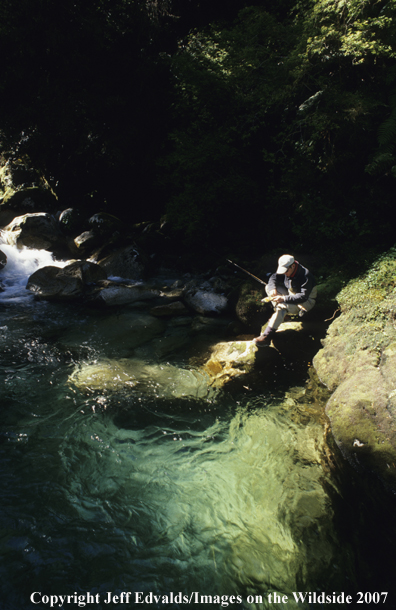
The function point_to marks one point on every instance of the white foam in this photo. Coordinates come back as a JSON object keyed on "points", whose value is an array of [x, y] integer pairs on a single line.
{"points": [[21, 264]]}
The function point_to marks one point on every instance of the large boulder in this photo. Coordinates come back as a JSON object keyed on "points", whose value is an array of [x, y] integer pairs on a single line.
{"points": [[38, 231], [104, 224], [85, 242], [102, 230], [358, 365], [71, 221], [67, 283]]}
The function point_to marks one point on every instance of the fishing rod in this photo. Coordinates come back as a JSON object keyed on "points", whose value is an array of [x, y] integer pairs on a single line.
{"points": [[248, 272]]}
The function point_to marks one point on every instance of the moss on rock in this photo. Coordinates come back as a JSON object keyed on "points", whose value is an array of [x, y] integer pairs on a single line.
{"points": [[358, 364]]}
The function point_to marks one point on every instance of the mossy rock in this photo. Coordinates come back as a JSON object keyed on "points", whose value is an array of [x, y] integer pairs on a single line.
{"points": [[249, 309], [362, 423], [358, 364]]}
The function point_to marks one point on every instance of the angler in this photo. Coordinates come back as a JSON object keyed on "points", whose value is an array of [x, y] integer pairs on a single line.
{"points": [[292, 289]]}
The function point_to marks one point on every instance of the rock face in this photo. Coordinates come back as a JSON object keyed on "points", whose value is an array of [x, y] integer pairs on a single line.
{"points": [[358, 364]]}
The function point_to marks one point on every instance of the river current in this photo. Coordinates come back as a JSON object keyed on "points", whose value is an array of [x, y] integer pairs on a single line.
{"points": [[127, 480]]}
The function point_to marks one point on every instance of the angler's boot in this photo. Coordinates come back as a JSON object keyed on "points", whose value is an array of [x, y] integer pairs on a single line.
{"points": [[266, 338]]}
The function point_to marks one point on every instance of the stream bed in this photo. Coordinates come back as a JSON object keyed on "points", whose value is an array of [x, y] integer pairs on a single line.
{"points": [[128, 480]]}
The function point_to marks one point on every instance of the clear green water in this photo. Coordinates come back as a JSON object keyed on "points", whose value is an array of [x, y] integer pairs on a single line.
{"points": [[141, 488]]}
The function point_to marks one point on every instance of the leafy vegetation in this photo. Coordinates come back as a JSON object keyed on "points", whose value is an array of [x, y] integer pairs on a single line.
{"points": [[374, 287]]}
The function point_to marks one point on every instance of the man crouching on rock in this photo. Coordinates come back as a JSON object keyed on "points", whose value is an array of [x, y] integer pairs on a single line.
{"points": [[292, 289]]}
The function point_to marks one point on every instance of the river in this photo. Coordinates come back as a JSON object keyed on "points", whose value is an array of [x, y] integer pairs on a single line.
{"points": [[127, 480]]}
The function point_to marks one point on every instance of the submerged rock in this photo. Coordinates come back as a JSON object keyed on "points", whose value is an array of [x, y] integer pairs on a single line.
{"points": [[116, 335], [285, 500], [162, 380]]}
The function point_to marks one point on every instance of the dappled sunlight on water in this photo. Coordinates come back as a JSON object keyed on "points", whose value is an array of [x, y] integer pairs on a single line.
{"points": [[129, 472], [217, 496]]}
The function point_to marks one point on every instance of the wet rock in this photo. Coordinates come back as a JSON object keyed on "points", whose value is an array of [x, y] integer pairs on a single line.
{"points": [[104, 224], [127, 262], [37, 231], [205, 302], [70, 221], [86, 241], [67, 283], [112, 293]]}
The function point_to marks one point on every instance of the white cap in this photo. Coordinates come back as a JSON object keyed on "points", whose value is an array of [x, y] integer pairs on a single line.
{"points": [[284, 263]]}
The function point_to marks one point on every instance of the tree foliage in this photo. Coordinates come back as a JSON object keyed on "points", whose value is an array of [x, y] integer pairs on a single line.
{"points": [[271, 121], [293, 107]]}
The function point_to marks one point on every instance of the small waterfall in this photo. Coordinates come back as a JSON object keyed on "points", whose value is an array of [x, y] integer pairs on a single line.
{"points": [[21, 263]]}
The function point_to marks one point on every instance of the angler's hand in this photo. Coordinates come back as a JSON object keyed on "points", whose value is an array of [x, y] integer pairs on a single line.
{"points": [[272, 294]]}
